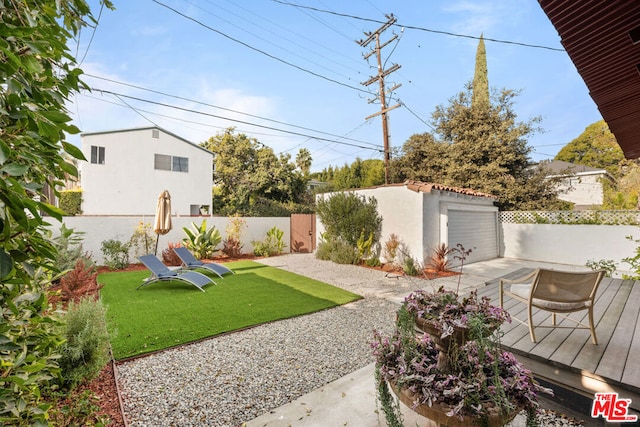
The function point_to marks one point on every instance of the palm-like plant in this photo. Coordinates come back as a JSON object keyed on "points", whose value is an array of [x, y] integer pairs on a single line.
{"points": [[438, 260], [201, 241]]}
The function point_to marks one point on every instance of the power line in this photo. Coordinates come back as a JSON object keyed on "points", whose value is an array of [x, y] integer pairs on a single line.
{"points": [[268, 39], [412, 27], [373, 148], [313, 73], [223, 108], [416, 115]]}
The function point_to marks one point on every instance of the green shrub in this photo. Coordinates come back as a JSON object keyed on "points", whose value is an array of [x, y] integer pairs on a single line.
{"points": [[372, 262], [31, 343], [116, 254], [232, 244], [347, 216], [608, 265], [271, 245], [142, 240], [337, 251], [633, 261], [201, 241], [86, 350], [70, 202], [323, 251], [69, 249], [343, 253], [410, 266], [364, 245]]}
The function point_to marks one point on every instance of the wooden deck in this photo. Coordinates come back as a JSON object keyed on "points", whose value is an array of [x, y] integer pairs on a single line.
{"points": [[566, 356]]}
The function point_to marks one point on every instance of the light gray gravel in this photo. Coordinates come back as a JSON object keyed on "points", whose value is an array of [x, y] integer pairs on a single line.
{"points": [[231, 379], [227, 380]]}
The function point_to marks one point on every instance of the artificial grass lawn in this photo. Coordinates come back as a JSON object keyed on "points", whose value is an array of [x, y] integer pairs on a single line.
{"points": [[166, 314]]}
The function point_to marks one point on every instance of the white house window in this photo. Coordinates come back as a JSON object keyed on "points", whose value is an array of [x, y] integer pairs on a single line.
{"points": [[171, 163], [180, 164], [97, 155], [162, 162]]}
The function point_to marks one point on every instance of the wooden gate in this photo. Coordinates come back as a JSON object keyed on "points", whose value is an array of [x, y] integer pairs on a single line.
{"points": [[303, 233]]}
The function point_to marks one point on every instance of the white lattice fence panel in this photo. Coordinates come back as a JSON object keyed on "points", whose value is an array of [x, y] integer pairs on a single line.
{"points": [[571, 217]]}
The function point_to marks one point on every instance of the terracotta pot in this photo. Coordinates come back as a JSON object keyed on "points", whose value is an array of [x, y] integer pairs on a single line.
{"points": [[443, 345], [438, 412]]}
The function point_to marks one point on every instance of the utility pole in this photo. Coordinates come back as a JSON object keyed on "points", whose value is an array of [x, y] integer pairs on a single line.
{"points": [[382, 95]]}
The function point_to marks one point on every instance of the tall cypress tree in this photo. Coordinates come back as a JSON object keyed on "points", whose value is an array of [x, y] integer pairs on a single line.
{"points": [[480, 97]]}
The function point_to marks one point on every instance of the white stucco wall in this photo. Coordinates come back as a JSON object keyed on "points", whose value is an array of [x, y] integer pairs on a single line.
{"points": [[569, 244], [401, 211], [583, 189], [418, 218], [128, 184], [99, 229]]}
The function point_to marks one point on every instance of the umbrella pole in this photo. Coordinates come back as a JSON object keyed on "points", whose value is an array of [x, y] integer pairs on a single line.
{"points": [[155, 252]]}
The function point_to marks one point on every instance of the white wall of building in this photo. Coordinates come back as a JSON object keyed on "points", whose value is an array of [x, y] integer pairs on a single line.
{"points": [[99, 229], [128, 184], [402, 214], [569, 244], [418, 218], [583, 189]]}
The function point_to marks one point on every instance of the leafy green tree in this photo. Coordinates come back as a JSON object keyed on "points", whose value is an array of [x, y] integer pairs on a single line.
{"points": [[480, 145], [480, 97], [483, 149], [359, 174], [250, 179], [303, 161], [596, 147], [37, 76]]}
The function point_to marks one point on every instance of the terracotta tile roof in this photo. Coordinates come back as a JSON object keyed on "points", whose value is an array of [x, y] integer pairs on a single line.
{"points": [[427, 187]]}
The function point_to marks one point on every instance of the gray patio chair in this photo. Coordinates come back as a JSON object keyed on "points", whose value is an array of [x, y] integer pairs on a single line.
{"points": [[557, 292], [190, 262], [161, 273]]}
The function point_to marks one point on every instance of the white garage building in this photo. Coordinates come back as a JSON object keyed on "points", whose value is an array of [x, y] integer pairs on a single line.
{"points": [[423, 215]]}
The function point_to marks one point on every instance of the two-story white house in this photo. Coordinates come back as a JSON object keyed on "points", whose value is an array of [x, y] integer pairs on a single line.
{"points": [[126, 170], [580, 184]]}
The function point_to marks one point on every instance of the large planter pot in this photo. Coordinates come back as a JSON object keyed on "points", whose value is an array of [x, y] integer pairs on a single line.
{"points": [[443, 345], [438, 412]]}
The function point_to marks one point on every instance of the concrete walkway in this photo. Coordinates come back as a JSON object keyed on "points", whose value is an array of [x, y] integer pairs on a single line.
{"points": [[351, 400]]}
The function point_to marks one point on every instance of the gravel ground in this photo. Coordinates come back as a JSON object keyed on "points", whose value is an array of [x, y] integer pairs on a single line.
{"points": [[231, 379]]}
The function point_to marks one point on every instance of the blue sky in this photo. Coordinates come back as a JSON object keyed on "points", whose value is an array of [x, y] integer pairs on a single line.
{"points": [[289, 68]]}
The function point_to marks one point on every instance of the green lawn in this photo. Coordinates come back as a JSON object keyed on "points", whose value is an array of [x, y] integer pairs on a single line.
{"points": [[166, 314]]}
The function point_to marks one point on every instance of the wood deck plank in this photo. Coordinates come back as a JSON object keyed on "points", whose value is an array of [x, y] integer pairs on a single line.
{"points": [[615, 356], [616, 314], [631, 374], [590, 355], [577, 350]]}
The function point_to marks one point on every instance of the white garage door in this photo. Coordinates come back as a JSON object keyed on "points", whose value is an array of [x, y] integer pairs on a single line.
{"points": [[475, 230]]}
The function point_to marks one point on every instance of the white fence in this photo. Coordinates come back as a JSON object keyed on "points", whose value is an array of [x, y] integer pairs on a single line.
{"points": [[558, 243], [97, 229], [569, 244]]}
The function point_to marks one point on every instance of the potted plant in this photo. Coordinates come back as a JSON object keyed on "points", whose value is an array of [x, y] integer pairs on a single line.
{"points": [[444, 361], [447, 318]]}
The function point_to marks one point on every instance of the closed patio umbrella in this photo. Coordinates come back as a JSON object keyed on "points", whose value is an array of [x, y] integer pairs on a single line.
{"points": [[162, 224]]}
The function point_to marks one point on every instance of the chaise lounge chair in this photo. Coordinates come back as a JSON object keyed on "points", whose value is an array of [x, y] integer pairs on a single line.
{"points": [[189, 262], [161, 273], [558, 292]]}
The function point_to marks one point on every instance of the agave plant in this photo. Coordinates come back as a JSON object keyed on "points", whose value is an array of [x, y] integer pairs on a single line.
{"points": [[200, 240]]}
